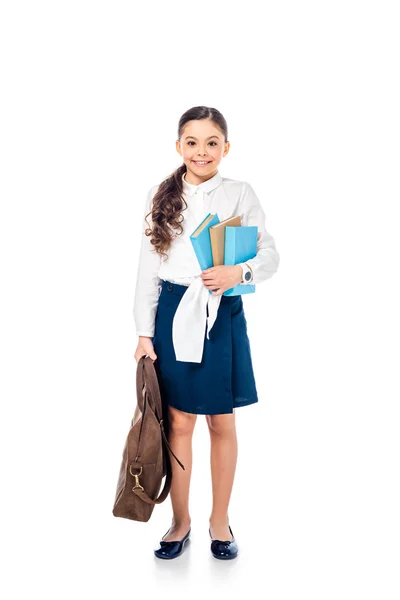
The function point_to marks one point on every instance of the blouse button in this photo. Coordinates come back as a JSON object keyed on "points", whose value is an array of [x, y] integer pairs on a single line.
{"points": [[169, 288]]}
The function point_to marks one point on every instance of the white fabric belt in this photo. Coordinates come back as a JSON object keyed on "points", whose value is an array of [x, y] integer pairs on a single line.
{"points": [[189, 321]]}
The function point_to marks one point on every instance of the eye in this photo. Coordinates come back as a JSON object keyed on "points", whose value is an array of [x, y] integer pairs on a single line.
{"points": [[190, 142]]}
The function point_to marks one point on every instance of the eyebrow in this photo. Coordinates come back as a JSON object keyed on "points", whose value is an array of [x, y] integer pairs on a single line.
{"points": [[209, 138]]}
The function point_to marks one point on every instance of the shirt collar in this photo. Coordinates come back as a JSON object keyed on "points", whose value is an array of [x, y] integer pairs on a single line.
{"points": [[206, 186]]}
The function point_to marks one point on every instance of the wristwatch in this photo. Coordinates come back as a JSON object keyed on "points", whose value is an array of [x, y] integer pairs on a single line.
{"points": [[247, 273]]}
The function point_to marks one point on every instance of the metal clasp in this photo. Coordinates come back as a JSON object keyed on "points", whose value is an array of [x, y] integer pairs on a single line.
{"points": [[136, 476]]}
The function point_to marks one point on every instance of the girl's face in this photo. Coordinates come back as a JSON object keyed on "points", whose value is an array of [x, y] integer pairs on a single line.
{"points": [[202, 148]]}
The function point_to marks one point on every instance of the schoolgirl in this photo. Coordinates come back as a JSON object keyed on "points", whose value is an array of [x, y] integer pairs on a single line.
{"points": [[198, 341]]}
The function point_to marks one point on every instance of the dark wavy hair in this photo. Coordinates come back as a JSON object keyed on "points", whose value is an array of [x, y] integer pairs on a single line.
{"points": [[168, 202]]}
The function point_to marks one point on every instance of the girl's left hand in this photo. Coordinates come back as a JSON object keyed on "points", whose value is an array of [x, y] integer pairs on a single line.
{"points": [[222, 277]]}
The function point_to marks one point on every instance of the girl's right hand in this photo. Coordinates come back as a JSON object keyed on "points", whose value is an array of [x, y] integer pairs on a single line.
{"points": [[145, 346]]}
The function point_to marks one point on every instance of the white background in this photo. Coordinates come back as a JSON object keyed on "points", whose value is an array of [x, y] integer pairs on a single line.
{"points": [[91, 97]]}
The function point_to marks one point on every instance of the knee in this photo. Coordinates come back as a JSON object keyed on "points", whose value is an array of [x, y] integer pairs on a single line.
{"points": [[181, 423], [221, 424]]}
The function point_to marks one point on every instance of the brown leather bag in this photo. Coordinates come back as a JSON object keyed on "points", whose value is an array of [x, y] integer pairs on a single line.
{"points": [[145, 458]]}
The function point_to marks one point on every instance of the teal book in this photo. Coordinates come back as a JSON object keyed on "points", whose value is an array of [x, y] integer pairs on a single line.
{"points": [[240, 245], [201, 243]]}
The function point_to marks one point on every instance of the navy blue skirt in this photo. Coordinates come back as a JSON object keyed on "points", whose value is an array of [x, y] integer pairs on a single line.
{"points": [[224, 379]]}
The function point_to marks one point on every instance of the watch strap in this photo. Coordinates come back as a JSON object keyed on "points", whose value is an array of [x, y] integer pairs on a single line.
{"points": [[246, 269]]}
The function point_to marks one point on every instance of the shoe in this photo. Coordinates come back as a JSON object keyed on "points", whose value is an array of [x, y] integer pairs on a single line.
{"points": [[173, 548], [224, 549]]}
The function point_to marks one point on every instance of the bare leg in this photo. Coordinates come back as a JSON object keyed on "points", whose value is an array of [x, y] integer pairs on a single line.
{"points": [[224, 450], [180, 434]]}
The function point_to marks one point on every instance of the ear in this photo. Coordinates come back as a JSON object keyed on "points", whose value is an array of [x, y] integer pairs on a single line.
{"points": [[226, 149]]}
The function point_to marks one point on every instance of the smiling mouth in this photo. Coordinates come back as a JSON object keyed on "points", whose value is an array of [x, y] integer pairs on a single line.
{"points": [[202, 163]]}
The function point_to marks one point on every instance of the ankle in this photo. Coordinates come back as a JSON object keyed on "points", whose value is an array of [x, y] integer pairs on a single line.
{"points": [[181, 522], [219, 520]]}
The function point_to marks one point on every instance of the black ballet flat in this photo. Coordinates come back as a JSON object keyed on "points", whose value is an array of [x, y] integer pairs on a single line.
{"points": [[173, 548], [224, 549]]}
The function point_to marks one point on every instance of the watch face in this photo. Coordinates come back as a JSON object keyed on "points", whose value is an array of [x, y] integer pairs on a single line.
{"points": [[247, 276]]}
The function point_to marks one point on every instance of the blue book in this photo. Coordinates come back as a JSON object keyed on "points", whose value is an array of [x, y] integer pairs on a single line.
{"points": [[240, 245], [200, 239]]}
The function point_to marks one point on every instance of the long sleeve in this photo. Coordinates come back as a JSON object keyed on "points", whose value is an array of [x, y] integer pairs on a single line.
{"points": [[148, 284], [267, 259]]}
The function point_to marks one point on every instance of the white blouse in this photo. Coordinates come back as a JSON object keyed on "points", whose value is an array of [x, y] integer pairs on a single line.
{"points": [[221, 195]]}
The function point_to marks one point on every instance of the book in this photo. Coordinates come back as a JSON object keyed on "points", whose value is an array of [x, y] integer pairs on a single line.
{"points": [[200, 239], [217, 238], [240, 245]]}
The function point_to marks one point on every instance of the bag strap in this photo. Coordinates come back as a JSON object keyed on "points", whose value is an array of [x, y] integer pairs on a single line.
{"points": [[147, 379], [149, 398], [139, 490]]}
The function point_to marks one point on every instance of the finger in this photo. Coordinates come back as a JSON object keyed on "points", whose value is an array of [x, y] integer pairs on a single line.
{"points": [[209, 284]]}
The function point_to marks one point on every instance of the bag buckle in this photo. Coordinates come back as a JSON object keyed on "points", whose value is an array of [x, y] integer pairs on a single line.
{"points": [[136, 476]]}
